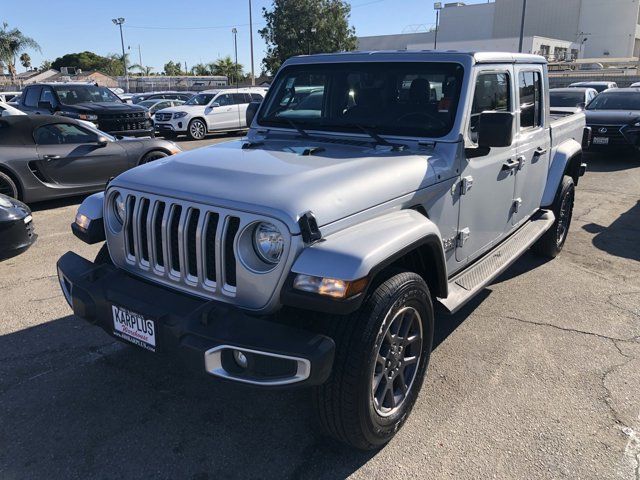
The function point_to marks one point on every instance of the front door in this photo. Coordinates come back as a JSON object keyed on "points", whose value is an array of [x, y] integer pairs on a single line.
{"points": [[70, 155], [222, 114], [534, 142], [487, 199]]}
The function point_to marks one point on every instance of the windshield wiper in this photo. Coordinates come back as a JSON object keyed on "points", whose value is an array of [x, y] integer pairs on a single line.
{"points": [[300, 130], [377, 138]]}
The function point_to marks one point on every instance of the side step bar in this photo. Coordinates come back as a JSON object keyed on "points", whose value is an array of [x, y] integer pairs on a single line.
{"points": [[466, 284]]}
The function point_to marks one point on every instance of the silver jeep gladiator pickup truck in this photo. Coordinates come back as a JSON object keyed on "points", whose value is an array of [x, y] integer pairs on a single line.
{"points": [[371, 189]]}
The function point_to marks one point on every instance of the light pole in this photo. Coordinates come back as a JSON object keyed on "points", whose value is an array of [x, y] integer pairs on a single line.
{"points": [[253, 74], [234, 30], [119, 21], [309, 32], [524, 13], [437, 7]]}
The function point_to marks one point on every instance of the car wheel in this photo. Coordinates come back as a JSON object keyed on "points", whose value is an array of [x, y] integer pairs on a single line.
{"points": [[552, 242], [151, 156], [197, 129], [382, 353], [8, 187]]}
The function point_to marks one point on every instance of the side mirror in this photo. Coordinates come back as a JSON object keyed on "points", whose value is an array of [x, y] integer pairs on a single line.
{"points": [[45, 106], [495, 129], [252, 109], [102, 141], [215, 104], [582, 105]]}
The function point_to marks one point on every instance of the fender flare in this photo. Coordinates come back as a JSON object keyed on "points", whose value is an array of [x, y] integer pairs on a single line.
{"points": [[364, 250], [563, 156]]}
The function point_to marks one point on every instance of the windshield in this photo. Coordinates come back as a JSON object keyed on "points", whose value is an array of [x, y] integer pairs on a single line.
{"points": [[616, 101], [404, 99], [148, 103], [200, 99], [566, 99], [73, 94]]}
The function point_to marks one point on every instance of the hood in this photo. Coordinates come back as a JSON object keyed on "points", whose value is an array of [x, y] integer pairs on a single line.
{"points": [[277, 179], [108, 107], [12, 209], [611, 117]]}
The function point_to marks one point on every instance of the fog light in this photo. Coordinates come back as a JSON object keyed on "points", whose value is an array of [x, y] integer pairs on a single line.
{"points": [[240, 358]]}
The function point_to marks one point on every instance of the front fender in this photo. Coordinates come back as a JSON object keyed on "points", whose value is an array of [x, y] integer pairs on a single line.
{"points": [[89, 225], [365, 249], [564, 154]]}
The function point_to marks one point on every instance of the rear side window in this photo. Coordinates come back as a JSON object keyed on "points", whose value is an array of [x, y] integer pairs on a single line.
{"points": [[256, 97], [530, 100], [493, 93], [239, 98], [32, 96]]}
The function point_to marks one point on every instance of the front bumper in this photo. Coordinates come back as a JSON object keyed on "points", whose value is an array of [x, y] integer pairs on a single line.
{"points": [[176, 126], [16, 236], [614, 136], [204, 333]]}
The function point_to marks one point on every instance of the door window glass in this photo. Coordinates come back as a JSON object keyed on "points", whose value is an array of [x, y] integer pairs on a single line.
{"points": [[530, 100], [31, 99], [47, 96], [224, 100], [492, 94], [256, 97], [238, 98], [63, 134]]}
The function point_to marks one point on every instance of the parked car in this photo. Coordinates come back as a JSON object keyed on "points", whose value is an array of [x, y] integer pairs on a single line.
{"points": [[158, 104], [635, 85], [570, 100], [16, 227], [139, 97], [15, 101], [88, 102], [598, 86], [8, 96], [7, 110], [49, 156], [614, 118], [313, 252], [209, 111], [126, 97]]}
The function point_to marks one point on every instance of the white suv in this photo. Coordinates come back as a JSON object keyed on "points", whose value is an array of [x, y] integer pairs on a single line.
{"points": [[208, 111]]}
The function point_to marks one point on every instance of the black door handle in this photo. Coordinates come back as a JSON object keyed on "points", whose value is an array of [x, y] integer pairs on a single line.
{"points": [[510, 164], [540, 151]]}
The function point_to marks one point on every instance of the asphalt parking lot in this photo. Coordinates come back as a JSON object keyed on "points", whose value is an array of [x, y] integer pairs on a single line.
{"points": [[538, 378]]}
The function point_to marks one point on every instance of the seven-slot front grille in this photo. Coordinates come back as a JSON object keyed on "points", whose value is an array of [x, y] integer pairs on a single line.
{"points": [[193, 245]]}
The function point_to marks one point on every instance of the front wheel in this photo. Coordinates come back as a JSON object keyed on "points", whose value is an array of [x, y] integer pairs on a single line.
{"points": [[152, 156], [552, 242], [382, 353], [197, 129]]}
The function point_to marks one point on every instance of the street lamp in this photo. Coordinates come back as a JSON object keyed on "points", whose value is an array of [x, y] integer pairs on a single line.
{"points": [[234, 30], [119, 21], [437, 7], [524, 13]]}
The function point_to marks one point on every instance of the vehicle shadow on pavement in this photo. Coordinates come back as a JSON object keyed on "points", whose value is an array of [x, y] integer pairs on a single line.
{"points": [[57, 203], [611, 161], [77, 404], [622, 237]]}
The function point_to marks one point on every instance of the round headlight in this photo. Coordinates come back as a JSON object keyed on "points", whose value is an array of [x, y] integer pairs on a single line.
{"points": [[268, 242], [119, 207]]}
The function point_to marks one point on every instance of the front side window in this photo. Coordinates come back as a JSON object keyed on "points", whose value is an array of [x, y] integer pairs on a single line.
{"points": [[224, 100], [492, 94], [404, 99], [47, 96], [74, 94], [530, 99], [62, 134], [32, 97]]}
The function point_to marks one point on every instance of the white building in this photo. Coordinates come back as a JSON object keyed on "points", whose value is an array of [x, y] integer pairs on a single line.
{"points": [[556, 28]]}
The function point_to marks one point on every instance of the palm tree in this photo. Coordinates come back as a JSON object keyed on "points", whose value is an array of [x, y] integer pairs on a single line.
{"points": [[144, 71], [25, 60], [12, 43], [200, 69], [228, 68]]}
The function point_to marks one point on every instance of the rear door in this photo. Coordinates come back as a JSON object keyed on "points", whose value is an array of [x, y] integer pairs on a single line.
{"points": [[242, 100], [486, 205], [224, 115], [70, 155], [533, 141]]}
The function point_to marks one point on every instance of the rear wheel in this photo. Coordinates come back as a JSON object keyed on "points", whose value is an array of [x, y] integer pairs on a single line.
{"points": [[7, 186], [382, 353], [552, 242], [151, 156], [197, 129]]}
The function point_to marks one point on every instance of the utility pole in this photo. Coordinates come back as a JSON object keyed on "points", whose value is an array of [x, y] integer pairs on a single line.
{"points": [[437, 7], [140, 55], [524, 13], [234, 30], [253, 74], [119, 21]]}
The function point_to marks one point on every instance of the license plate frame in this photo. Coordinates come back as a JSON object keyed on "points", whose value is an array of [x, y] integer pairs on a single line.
{"points": [[600, 140], [134, 327]]}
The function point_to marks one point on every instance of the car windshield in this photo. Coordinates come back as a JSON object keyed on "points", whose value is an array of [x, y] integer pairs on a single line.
{"points": [[200, 99], [616, 101], [148, 103], [404, 99], [566, 99], [72, 94]]}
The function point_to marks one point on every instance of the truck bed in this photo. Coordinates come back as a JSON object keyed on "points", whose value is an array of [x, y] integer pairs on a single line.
{"points": [[566, 127]]}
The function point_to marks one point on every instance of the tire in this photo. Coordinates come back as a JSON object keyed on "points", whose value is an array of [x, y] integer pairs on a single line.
{"points": [[151, 156], [348, 407], [552, 242], [8, 187], [197, 129], [103, 257]]}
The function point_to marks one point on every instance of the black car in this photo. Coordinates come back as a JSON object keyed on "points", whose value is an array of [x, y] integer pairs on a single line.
{"points": [[88, 102], [614, 118], [48, 156], [16, 227]]}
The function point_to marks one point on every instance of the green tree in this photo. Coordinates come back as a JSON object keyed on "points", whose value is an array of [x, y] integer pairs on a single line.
{"points": [[173, 69], [86, 61], [25, 60], [303, 27], [12, 43], [228, 68], [200, 69], [45, 65], [144, 70]]}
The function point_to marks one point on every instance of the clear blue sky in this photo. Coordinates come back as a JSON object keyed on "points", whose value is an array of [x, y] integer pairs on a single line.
{"points": [[67, 26]]}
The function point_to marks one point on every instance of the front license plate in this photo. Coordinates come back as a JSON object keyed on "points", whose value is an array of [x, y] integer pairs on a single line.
{"points": [[134, 327], [600, 140]]}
